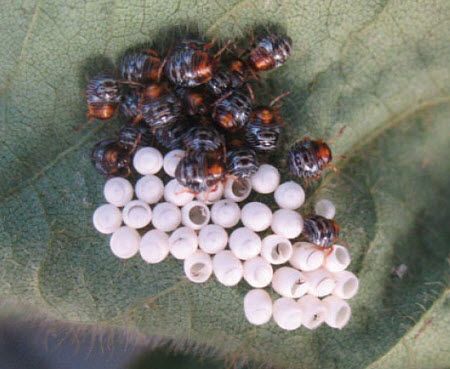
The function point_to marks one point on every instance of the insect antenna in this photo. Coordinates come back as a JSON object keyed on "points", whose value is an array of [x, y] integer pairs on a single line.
{"points": [[277, 99]]}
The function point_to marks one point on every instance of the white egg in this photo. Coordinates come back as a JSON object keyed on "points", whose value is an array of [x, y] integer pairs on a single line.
{"points": [[266, 179], [276, 249], [212, 238], [124, 242], [338, 312], [347, 284], [258, 272], [107, 218], [150, 189], [321, 282], [256, 216], [237, 189], [177, 194], [211, 196], [289, 195], [154, 246], [118, 191], [325, 208], [287, 313], [225, 213], [166, 217], [338, 259], [257, 306], [306, 256], [287, 223], [314, 311], [244, 243], [147, 160], [171, 160], [183, 242], [289, 282], [227, 268]]}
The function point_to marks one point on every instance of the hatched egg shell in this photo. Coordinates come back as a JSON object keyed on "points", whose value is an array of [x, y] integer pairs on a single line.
{"points": [[198, 267]]}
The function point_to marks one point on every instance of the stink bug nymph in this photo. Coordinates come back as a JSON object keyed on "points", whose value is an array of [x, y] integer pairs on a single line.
{"points": [[190, 64], [264, 127], [129, 105], [160, 106], [233, 110], [269, 52], [141, 67], [171, 137], [195, 101], [229, 78], [111, 159], [200, 172], [242, 162], [133, 135], [203, 138], [103, 97], [320, 231], [307, 158]]}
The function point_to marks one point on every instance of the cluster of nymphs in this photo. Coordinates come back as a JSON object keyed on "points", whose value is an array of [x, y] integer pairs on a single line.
{"points": [[195, 100], [200, 110]]}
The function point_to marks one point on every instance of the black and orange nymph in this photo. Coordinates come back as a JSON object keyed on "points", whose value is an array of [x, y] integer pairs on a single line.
{"points": [[201, 172], [269, 52], [190, 64], [308, 158], [110, 158], [320, 231], [160, 106], [103, 97]]}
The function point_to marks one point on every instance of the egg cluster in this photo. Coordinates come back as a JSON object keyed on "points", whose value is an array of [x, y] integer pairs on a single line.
{"points": [[214, 235], [197, 102]]}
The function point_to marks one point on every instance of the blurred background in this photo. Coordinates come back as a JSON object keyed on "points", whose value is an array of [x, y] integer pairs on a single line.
{"points": [[26, 346], [33, 345]]}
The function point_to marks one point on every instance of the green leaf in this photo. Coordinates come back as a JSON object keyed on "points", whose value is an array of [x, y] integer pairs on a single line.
{"points": [[380, 69]]}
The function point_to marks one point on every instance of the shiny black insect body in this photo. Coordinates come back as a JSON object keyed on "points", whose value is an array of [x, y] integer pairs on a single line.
{"points": [[171, 137], [140, 67], [160, 107], [242, 162], [263, 129], [269, 52], [190, 64], [103, 97], [220, 83], [202, 139], [195, 101], [224, 81], [233, 110], [200, 172], [307, 158], [231, 77], [111, 159], [129, 105], [132, 136], [320, 231]]}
